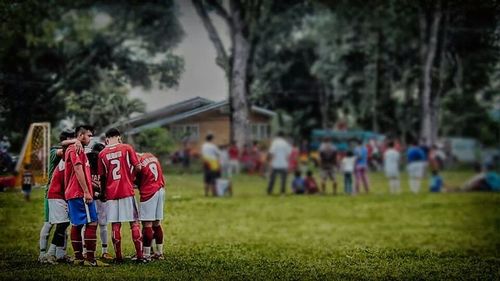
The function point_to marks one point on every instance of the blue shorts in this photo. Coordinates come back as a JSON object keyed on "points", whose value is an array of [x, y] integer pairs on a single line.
{"points": [[81, 213]]}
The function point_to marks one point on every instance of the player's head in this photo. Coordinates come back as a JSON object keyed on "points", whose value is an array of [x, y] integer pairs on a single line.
{"points": [[98, 147], [209, 137], [298, 174], [390, 144], [113, 136], [66, 135], [309, 173], [84, 133]]}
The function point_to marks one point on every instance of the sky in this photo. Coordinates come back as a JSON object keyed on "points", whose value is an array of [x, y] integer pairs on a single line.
{"points": [[201, 77]]}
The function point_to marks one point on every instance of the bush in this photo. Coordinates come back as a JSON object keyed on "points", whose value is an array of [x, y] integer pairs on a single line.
{"points": [[155, 140]]}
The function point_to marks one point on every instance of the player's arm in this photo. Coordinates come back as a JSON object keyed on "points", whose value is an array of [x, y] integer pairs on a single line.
{"points": [[101, 171], [80, 176], [134, 160], [77, 143]]}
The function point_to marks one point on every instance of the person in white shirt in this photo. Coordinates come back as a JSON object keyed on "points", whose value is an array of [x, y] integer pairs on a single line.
{"points": [[391, 167], [279, 155], [348, 163], [211, 164]]}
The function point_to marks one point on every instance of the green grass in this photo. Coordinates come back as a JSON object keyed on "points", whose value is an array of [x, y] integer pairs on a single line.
{"points": [[254, 236]]}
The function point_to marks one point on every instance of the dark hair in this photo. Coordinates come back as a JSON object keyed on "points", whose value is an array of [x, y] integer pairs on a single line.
{"points": [[390, 144], [113, 132], [349, 153], [98, 147], [209, 137], [83, 128], [27, 166], [280, 134], [298, 173], [64, 135], [435, 172], [309, 173]]}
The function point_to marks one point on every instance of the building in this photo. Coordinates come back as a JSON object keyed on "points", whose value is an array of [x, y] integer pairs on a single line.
{"points": [[193, 119]]}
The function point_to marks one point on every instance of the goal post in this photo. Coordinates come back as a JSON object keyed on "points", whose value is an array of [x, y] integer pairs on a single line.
{"points": [[35, 151]]}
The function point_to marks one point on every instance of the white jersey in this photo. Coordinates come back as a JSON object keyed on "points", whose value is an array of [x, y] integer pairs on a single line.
{"points": [[391, 162]]}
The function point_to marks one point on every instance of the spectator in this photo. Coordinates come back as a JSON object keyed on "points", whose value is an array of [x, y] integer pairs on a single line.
{"points": [[304, 156], [224, 161], [436, 182], [348, 164], [186, 155], [234, 162], [416, 162], [298, 183], [211, 164], [327, 164], [246, 159], [310, 183], [361, 168], [391, 167], [28, 181], [279, 154], [294, 158], [255, 155]]}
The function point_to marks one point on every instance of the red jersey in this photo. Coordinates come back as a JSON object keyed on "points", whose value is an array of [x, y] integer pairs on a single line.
{"points": [[71, 159], [233, 152], [56, 187], [116, 162], [151, 176]]}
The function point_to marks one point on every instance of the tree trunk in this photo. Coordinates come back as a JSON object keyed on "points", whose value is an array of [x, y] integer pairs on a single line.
{"points": [[324, 106], [238, 84], [427, 112]]}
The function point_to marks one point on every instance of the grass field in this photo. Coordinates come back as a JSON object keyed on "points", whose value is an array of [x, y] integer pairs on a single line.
{"points": [[254, 236]]}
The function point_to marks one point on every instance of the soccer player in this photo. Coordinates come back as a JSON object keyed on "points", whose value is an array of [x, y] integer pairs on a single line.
{"points": [[116, 165], [101, 203], [151, 188], [82, 209], [327, 164], [391, 167], [58, 216], [56, 153]]}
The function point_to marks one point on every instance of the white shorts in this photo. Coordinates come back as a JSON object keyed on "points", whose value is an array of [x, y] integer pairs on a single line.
{"points": [[122, 210], [58, 211], [416, 169], [102, 212], [392, 173], [152, 209]]}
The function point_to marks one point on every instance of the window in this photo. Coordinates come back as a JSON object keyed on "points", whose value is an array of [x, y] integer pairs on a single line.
{"points": [[185, 132], [261, 131]]}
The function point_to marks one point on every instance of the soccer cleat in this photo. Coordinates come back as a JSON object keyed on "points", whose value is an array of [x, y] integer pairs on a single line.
{"points": [[65, 259], [142, 260], [95, 263], [107, 256], [157, 256]]}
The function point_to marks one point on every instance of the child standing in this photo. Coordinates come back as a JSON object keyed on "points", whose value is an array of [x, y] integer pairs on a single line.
{"points": [[28, 181], [310, 183], [298, 184], [348, 169]]}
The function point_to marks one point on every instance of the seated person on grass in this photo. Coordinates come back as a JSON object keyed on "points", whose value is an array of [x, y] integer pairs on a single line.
{"points": [[298, 184], [436, 183], [488, 180], [311, 185]]}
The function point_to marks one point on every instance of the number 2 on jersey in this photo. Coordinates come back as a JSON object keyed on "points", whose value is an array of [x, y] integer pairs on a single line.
{"points": [[116, 169], [154, 169]]}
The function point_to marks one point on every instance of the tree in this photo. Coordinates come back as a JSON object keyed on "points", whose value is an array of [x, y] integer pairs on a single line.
{"points": [[242, 19], [53, 48]]}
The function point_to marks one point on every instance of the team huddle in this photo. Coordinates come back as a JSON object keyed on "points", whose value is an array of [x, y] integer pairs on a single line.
{"points": [[93, 189]]}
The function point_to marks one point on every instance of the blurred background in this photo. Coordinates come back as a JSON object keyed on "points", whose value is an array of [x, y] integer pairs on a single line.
{"points": [[169, 72]]}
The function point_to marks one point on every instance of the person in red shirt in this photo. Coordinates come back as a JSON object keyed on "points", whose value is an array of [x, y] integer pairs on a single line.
{"points": [[151, 188], [78, 193], [310, 183], [116, 165], [234, 159]]}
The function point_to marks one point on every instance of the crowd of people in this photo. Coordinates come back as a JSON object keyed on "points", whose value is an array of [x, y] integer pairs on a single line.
{"points": [[353, 163], [92, 187]]}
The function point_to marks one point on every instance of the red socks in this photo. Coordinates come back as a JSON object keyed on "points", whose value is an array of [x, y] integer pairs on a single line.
{"points": [[147, 233], [116, 238], [90, 241], [158, 234], [76, 241], [137, 238]]}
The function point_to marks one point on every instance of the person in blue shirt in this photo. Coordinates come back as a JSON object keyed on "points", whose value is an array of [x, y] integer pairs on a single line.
{"points": [[436, 182], [361, 167], [298, 184], [416, 164]]}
